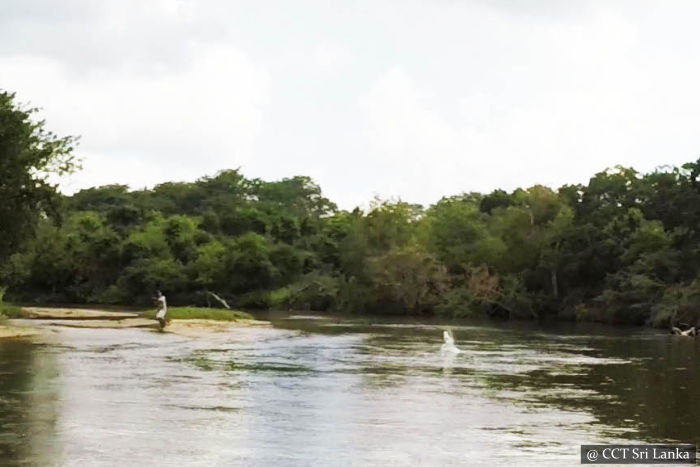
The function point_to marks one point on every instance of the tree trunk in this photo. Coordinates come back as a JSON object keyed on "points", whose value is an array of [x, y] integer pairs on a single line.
{"points": [[555, 283]]}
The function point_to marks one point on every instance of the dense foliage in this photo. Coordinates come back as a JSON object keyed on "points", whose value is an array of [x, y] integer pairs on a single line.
{"points": [[29, 155], [624, 248]]}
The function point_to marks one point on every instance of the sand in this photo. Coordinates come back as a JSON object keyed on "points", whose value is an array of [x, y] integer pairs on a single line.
{"points": [[9, 330], [76, 313], [38, 319]]}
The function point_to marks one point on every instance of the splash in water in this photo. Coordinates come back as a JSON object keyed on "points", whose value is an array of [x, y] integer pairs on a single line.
{"points": [[449, 345]]}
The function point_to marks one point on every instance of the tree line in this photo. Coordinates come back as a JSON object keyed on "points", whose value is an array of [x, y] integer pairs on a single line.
{"points": [[623, 248]]}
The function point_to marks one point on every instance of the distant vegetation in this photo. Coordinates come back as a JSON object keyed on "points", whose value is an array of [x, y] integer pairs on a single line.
{"points": [[623, 248]]}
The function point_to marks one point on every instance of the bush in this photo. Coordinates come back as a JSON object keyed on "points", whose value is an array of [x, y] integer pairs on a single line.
{"points": [[355, 296], [7, 310], [256, 300], [279, 298], [316, 291], [679, 304], [11, 311], [483, 292], [458, 303]]}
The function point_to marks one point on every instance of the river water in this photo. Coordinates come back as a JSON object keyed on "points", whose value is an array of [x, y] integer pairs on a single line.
{"points": [[343, 391]]}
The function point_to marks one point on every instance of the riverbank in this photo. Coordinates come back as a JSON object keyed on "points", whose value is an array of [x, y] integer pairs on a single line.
{"points": [[189, 321], [74, 313], [9, 330]]}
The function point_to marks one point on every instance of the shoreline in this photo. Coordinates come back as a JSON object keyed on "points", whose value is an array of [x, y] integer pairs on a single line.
{"points": [[9, 330], [35, 320], [38, 321]]}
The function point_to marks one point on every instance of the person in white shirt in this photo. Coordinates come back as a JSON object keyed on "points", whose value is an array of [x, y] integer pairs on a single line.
{"points": [[161, 308]]}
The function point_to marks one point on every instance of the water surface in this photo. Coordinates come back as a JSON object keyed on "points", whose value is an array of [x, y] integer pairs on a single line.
{"points": [[337, 391]]}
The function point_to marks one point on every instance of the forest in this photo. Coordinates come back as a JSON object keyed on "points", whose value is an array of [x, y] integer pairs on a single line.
{"points": [[623, 248]]}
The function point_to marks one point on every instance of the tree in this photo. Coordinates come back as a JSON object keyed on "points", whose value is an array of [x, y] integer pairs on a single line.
{"points": [[458, 234], [29, 155], [407, 280]]}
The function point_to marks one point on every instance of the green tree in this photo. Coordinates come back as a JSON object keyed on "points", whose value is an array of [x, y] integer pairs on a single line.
{"points": [[407, 280], [29, 156]]}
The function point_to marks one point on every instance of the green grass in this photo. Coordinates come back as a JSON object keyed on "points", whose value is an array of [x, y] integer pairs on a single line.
{"points": [[8, 310], [192, 312]]}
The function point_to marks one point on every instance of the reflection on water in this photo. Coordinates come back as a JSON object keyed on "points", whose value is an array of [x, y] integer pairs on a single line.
{"points": [[28, 404], [341, 391]]}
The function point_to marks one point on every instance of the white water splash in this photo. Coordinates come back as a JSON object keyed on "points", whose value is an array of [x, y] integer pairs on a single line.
{"points": [[449, 345]]}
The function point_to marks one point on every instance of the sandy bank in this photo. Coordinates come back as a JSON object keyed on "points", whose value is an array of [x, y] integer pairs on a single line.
{"points": [[26, 328], [205, 327], [11, 331], [38, 320], [76, 313], [101, 323], [184, 326]]}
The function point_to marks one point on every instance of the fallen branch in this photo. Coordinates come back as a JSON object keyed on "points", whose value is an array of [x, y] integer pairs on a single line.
{"points": [[220, 300]]}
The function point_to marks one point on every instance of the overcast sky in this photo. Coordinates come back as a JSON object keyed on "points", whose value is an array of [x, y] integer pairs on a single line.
{"points": [[405, 99]]}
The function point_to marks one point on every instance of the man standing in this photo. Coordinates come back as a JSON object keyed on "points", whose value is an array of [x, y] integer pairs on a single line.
{"points": [[161, 309]]}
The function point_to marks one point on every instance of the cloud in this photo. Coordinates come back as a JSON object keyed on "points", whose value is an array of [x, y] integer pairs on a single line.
{"points": [[330, 57], [146, 127], [424, 154], [415, 99], [575, 100]]}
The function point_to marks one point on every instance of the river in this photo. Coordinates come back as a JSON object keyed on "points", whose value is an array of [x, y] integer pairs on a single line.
{"points": [[312, 390]]}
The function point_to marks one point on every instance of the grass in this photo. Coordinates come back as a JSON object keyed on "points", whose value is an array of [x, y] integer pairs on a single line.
{"points": [[192, 312], [8, 310]]}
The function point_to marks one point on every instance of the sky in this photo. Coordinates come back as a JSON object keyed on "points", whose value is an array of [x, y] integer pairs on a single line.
{"points": [[409, 99]]}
